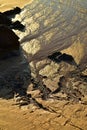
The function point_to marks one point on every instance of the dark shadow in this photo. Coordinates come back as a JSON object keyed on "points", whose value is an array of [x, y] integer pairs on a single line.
{"points": [[6, 19], [12, 13], [14, 81], [59, 57], [17, 26], [14, 69]]}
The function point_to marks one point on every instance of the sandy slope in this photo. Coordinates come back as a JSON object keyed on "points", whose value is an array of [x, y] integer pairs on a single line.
{"points": [[8, 4], [66, 116]]}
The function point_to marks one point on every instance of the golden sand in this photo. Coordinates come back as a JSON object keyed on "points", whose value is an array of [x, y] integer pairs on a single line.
{"points": [[67, 116], [9, 4]]}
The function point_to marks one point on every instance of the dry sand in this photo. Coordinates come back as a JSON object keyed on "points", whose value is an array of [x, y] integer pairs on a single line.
{"points": [[66, 116], [9, 4]]}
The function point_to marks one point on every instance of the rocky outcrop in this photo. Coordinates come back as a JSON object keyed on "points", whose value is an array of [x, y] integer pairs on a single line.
{"points": [[49, 31], [13, 12], [8, 41], [6, 19], [52, 27], [14, 69]]}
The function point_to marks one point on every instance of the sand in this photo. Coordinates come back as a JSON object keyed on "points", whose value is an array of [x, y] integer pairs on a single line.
{"points": [[66, 116], [9, 4]]}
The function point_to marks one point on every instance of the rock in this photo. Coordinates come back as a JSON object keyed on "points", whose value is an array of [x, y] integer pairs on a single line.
{"points": [[84, 100], [51, 38], [17, 25], [8, 41], [12, 12], [35, 93], [6, 19], [14, 69], [47, 33], [39, 41], [59, 57]]}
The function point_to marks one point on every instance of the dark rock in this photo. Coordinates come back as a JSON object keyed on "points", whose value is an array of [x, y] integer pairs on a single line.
{"points": [[12, 12], [5, 19], [14, 69], [17, 25], [59, 57], [13, 79], [8, 41], [55, 55]]}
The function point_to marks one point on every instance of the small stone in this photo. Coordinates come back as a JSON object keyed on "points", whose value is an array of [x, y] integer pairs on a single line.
{"points": [[84, 100]]}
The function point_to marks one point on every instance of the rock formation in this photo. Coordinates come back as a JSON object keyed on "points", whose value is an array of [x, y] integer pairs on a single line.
{"points": [[14, 69], [8, 41], [54, 26], [5, 19], [51, 27]]}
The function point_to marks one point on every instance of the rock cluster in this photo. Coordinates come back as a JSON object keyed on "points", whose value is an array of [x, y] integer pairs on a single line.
{"points": [[48, 31]]}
